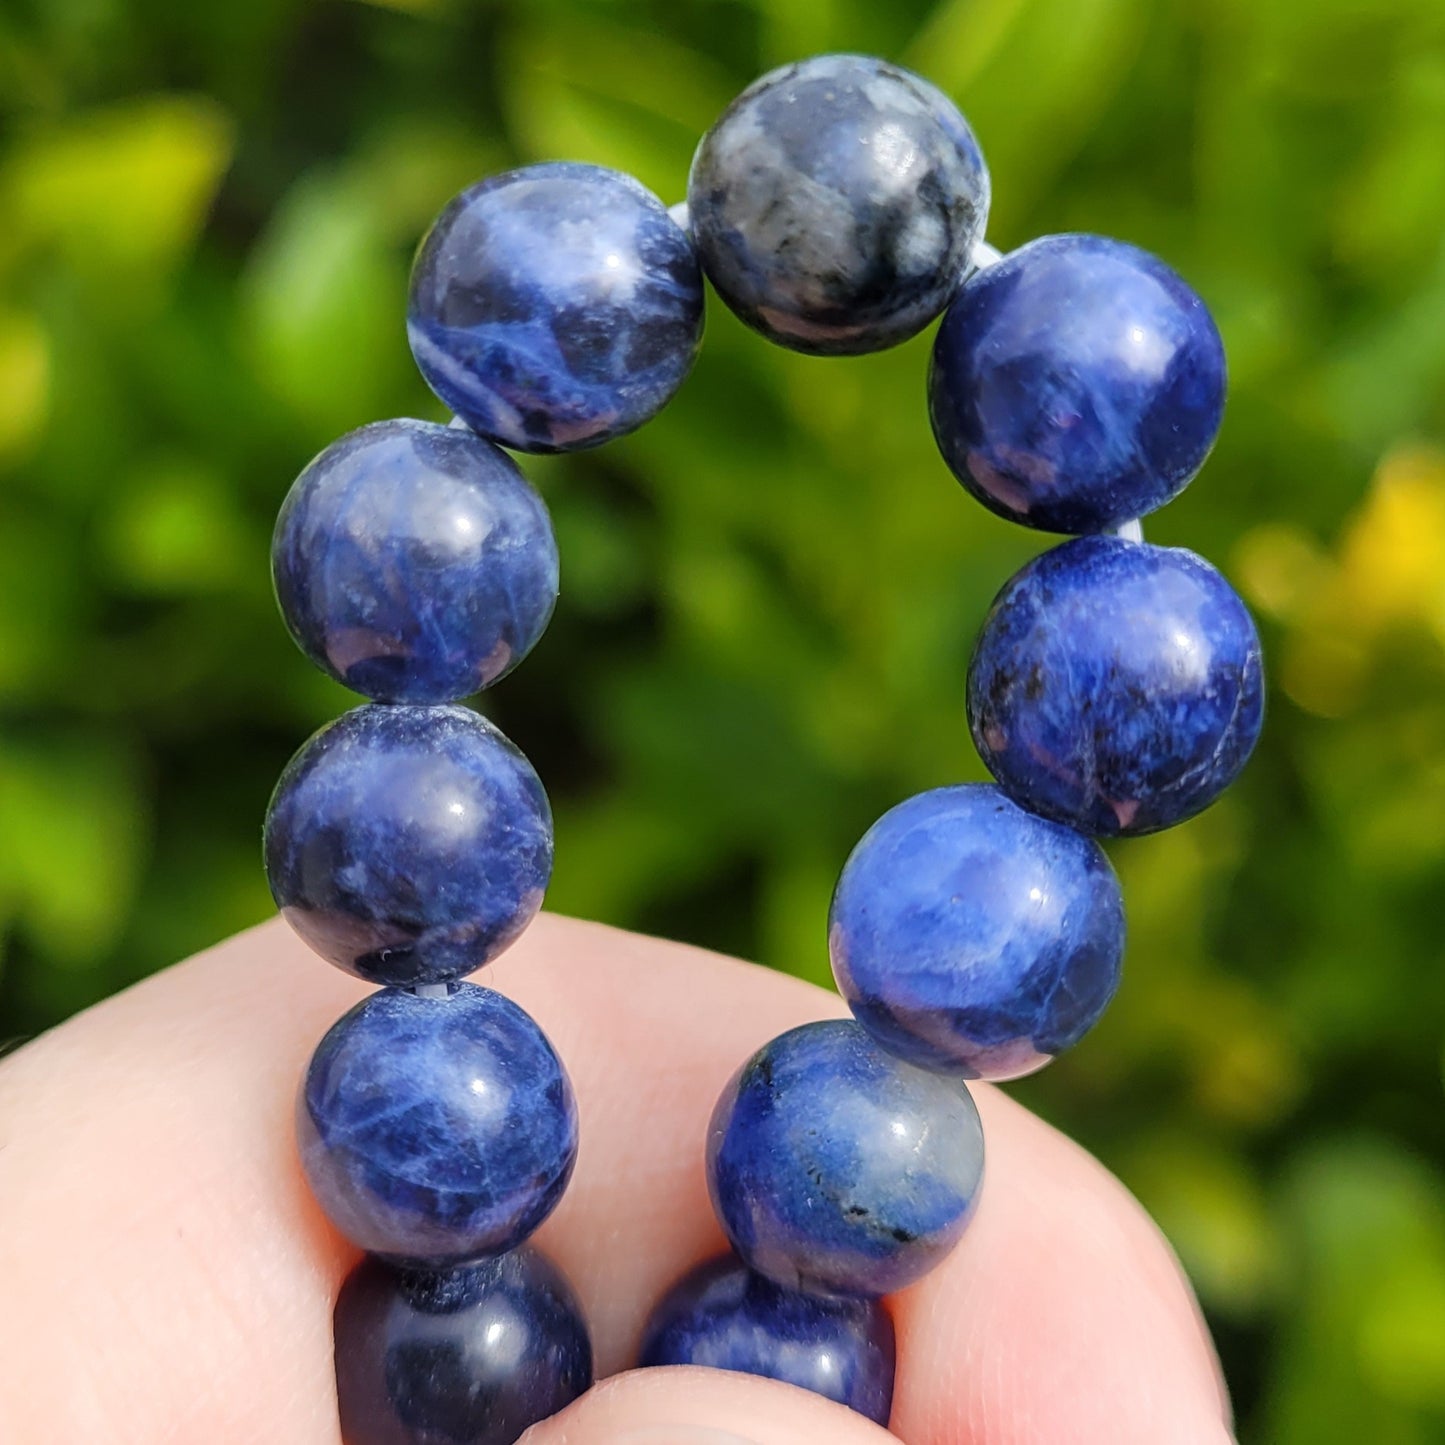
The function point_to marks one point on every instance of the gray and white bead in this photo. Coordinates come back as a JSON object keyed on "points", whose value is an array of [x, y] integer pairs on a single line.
{"points": [[836, 204]]}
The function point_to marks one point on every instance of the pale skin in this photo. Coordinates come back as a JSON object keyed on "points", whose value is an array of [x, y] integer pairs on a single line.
{"points": [[166, 1280]]}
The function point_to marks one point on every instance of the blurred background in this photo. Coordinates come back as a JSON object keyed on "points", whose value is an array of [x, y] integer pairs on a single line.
{"points": [[206, 217]]}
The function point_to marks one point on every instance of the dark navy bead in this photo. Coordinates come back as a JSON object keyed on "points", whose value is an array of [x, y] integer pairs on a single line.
{"points": [[1116, 686], [413, 562], [724, 1316], [1076, 384], [971, 936], [836, 1168], [555, 307], [836, 203], [436, 1130], [471, 1357], [409, 844]]}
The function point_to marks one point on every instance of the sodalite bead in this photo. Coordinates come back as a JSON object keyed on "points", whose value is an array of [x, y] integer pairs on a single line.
{"points": [[436, 1130], [555, 307], [409, 845], [1116, 686], [725, 1317], [471, 1357], [836, 203], [970, 936], [413, 562], [836, 1168], [1077, 383]]}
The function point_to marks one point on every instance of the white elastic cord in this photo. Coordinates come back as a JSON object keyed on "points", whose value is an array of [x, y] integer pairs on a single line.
{"points": [[983, 256]]}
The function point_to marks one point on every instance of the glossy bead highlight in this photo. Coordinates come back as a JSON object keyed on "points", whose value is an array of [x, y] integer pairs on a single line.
{"points": [[413, 563], [836, 1168], [555, 307], [1116, 686], [836, 203], [725, 1317], [471, 1357], [409, 845], [970, 936], [1076, 384], [434, 1131]]}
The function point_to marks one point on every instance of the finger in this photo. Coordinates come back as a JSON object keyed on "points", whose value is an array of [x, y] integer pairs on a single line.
{"points": [[703, 1407], [152, 1213], [151, 1174], [1062, 1315]]}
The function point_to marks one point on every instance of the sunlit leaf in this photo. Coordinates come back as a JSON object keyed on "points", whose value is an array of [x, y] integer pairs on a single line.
{"points": [[73, 838], [1358, 1358], [980, 54], [175, 530], [324, 305], [24, 381], [1216, 1216], [123, 190]]}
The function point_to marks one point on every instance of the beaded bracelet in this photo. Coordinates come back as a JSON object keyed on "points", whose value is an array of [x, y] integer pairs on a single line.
{"points": [[838, 207]]}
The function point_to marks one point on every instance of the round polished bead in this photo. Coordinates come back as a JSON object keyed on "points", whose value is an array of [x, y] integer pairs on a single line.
{"points": [[413, 562], [470, 1357], [836, 204], [436, 1130], [836, 1168], [1116, 686], [409, 845], [725, 1317], [555, 307], [1076, 384], [971, 936]]}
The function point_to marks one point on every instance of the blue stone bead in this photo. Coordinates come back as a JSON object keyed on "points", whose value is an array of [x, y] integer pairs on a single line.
{"points": [[725, 1317], [436, 1130], [413, 562], [409, 845], [973, 937], [555, 307], [1116, 686], [836, 1168], [471, 1357], [836, 203], [1076, 384]]}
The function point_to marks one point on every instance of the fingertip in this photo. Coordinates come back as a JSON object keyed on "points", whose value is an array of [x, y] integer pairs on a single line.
{"points": [[650, 1032], [685, 1405], [1063, 1314]]}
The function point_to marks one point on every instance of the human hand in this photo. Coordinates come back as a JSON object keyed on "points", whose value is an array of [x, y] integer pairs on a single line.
{"points": [[167, 1278]]}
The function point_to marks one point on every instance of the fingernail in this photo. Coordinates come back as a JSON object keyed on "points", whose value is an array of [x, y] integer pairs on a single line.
{"points": [[664, 1435], [680, 1435]]}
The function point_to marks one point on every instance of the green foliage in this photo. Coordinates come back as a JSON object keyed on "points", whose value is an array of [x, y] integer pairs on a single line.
{"points": [[206, 215]]}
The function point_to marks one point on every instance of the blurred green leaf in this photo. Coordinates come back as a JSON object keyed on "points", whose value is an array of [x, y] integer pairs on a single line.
{"points": [[573, 93], [72, 843], [123, 190], [1216, 1215], [1029, 130], [323, 310], [1362, 1355], [40, 608], [24, 382], [175, 529]]}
